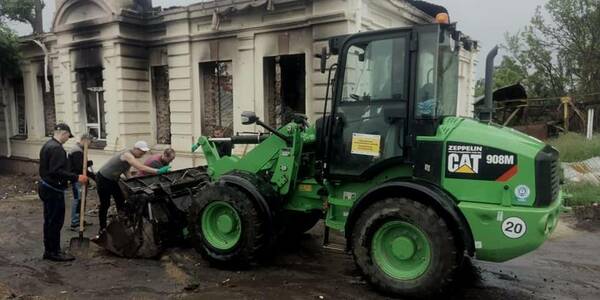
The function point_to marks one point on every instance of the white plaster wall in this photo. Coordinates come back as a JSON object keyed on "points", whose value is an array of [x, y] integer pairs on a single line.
{"points": [[186, 36]]}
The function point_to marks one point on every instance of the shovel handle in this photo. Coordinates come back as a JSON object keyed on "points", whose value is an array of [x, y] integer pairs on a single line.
{"points": [[83, 191]]}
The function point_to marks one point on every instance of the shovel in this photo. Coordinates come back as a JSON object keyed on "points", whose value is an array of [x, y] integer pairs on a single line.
{"points": [[80, 244]]}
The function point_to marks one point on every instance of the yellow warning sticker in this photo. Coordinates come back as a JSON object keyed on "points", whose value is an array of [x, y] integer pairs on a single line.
{"points": [[366, 144], [305, 188]]}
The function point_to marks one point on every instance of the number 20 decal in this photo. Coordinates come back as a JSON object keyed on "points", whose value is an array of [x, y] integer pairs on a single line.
{"points": [[514, 227]]}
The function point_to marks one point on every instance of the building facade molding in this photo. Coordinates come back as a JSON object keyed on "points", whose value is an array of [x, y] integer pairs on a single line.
{"points": [[141, 53]]}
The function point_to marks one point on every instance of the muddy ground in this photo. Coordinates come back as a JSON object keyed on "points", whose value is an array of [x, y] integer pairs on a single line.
{"points": [[565, 267]]}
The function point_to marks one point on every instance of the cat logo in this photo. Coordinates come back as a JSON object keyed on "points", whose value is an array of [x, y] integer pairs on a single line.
{"points": [[464, 163], [478, 162], [463, 159]]}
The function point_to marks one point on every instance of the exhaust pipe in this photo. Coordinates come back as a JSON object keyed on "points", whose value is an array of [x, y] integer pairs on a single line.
{"points": [[486, 113]]}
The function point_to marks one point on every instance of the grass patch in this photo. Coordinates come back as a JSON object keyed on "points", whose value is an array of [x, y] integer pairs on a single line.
{"points": [[575, 147], [581, 194]]}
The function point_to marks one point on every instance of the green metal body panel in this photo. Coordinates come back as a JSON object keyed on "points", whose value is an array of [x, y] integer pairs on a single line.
{"points": [[273, 155], [344, 194], [305, 196], [492, 192], [485, 204], [486, 222]]}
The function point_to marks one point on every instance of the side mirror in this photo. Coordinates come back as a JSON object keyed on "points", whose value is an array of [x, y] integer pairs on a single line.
{"points": [[361, 57], [249, 117], [323, 57]]}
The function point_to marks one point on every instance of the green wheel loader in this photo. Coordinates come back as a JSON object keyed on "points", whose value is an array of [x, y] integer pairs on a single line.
{"points": [[411, 186]]}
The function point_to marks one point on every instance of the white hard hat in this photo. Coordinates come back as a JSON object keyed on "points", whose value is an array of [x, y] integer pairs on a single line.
{"points": [[142, 145]]}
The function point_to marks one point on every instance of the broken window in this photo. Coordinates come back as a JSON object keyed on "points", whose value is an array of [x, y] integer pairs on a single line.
{"points": [[160, 93], [285, 88], [91, 97], [217, 107], [49, 109], [20, 123]]}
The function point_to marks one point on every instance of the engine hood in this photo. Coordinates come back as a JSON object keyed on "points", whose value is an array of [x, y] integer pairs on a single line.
{"points": [[492, 135]]}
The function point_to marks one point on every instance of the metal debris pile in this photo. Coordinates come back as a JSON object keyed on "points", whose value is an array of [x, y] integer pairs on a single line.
{"points": [[155, 213], [587, 171]]}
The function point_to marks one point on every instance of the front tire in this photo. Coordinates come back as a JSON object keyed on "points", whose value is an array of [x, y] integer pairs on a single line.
{"points": [[404, 248], [226, 227]]}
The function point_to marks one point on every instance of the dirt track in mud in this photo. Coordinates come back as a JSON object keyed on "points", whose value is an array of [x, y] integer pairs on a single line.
{"points": [[565, 267]]}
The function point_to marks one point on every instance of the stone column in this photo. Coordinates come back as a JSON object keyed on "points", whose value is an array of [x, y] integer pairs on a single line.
{"points": [[244, 81], [62, 87], [180, 95], [112, 107], [34, 105]]}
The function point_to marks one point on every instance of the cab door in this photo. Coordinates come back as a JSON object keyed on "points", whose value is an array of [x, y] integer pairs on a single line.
{"points": [[370, 105]]}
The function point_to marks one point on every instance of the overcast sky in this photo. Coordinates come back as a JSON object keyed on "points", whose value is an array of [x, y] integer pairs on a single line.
{"points": [[483, 20]]}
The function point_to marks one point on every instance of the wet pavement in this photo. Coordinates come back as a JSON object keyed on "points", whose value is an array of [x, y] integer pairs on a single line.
{"points": [[565, 267]]}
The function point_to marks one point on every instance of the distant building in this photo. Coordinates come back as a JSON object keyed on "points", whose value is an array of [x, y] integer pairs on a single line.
{"points": [[124, 70]]}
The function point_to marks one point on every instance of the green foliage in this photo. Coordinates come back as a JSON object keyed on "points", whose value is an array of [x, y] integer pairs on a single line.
{"points": [[17, 10], [561, 55], [9, 53], [575, 147], [26, 11], [581, 193], [509, 72]]}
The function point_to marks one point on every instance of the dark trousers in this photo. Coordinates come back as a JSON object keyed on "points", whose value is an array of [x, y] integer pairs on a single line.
{"points": [[108, 188], [54, 217]]}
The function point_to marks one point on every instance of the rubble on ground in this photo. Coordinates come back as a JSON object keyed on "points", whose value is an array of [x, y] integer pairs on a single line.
{"points": [[587, 171]]}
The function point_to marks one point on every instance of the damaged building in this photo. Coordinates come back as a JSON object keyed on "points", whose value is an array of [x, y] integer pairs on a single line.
{"points": [[124, 70]]}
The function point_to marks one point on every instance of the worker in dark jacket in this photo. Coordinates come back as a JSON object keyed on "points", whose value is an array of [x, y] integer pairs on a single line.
{"points": [[55, 174], [76, 161]]}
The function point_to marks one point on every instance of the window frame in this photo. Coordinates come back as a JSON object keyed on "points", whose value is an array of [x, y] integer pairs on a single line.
{"points": [[83, 77], [15, 132], [96, 91]]}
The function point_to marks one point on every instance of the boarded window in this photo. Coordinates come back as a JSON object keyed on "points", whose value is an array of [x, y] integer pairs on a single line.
{"points": [[160, 93], [285, 88], [91, 98], [217, 107], [20, 122], [49, 109]]}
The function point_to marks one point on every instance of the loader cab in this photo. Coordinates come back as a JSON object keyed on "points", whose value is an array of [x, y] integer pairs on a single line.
{"points": [[390, 87]]}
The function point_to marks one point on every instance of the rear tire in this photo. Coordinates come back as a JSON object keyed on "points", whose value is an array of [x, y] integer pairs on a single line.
{"points": [[226, 227], [404, 248]]}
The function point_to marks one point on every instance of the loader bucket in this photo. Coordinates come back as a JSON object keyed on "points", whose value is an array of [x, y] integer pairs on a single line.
{"points": [[155, 214]]}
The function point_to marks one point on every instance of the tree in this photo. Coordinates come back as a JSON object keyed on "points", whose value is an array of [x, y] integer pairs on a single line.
{"points": [[26, 11], [560, 56], [509, 72], [9, 53]]}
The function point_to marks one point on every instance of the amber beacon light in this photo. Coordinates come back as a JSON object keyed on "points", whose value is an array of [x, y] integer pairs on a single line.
{"points": [[442, 18]]}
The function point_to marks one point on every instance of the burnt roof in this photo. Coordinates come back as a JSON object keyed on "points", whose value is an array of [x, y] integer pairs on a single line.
{"points": [[428, 8]]}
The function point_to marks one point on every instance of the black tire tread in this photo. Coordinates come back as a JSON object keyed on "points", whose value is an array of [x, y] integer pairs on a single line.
{"points": [[253, 239], [444, 247]]}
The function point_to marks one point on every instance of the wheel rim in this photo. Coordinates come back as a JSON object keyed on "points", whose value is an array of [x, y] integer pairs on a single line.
{"points": [[221, 225], [401, 250]]}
